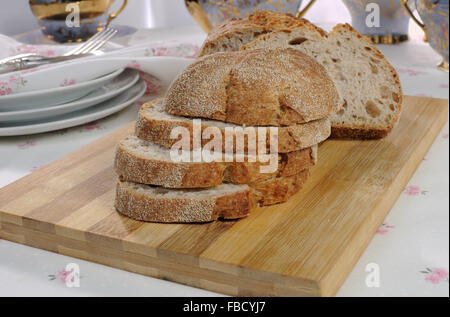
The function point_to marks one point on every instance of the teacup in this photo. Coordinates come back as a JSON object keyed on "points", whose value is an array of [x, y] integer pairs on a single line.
{"points": [[210, 13], [434, 14], [73, 21], [393, 20]]}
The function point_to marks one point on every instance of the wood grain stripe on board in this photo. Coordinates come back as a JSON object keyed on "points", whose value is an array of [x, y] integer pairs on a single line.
{"points": [[357, 181], [75, 224], [112, 229], [128, 234], [61, 182], [241, 239], [145, 239], [71, 200], [298, 253], [160, 268], [191, 240]]}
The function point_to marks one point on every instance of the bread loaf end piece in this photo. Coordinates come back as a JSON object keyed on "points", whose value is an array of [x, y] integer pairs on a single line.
{"points": [[263, 87]]}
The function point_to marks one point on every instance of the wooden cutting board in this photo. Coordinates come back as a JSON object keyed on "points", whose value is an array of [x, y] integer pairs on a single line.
{"points": [[305, 247]]}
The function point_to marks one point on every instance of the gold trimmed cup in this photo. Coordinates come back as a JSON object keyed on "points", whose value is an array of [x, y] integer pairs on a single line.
{"points": [[210, 13], [383, 21], [434, 15], [74, 21]]}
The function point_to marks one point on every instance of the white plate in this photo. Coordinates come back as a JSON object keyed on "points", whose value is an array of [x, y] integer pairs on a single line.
{"points": [[116, 86], [79, 117], [84, 69], [53, 96]]}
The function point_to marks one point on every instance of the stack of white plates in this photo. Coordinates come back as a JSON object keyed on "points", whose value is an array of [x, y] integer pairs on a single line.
{"points": [[62, 107]]}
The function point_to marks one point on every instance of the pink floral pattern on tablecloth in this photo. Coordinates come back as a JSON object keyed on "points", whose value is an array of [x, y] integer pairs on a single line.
{"points": [[414, 190], [435, 275], [409, 71], [91, 126], [4, 89], [153, 87], [25, 48], [422, 95], [384, 228], [134, 64], [63, 276], [176, 49], [35, 168], [26, 145]]}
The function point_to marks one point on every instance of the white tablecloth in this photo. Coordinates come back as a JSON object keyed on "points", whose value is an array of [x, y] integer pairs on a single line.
{"points": [[411, 248]]}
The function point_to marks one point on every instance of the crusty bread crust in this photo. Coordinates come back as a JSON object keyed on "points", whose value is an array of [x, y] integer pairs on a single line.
{"points": [[220, 39], [355, 133], [276, 21], [188, 209], [232, 204], [273, 20], [233, 33], [133, 164], [261, 87], [156, 128]]}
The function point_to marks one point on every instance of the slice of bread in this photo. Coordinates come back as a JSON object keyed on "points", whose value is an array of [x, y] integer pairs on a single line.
{"points": [[233, 33], [143, 162], [226, 201], [230, 36], [157, 204], [155, 125], [368, 84], [261, 87]]}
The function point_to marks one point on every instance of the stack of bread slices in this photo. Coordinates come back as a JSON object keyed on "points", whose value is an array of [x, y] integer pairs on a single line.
{"points": [[223, 97]]}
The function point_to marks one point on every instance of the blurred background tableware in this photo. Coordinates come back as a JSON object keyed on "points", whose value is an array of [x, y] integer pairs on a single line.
{"points": [[31, 60], [53, 14], [83, 116], [209, 13], [73, 73], [115, 87], [434, 15], [69, 89], [393, 23], [81, 90], [37, 37]]}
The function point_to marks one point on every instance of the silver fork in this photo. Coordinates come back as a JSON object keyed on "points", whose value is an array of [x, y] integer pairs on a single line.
{"points": [[94, 43], [25, 61]]}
